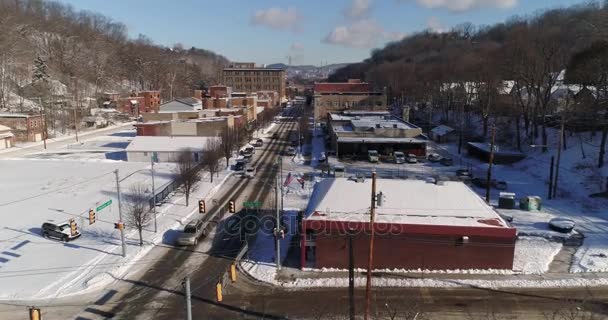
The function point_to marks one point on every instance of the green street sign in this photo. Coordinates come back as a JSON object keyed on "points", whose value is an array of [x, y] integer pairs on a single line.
{"points": [[252, 204], [104, 205]]}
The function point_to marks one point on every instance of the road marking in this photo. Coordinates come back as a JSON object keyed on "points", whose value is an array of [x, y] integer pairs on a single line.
{"points": [[11, 254], [20, 245], [106, 297], [426, 295]]}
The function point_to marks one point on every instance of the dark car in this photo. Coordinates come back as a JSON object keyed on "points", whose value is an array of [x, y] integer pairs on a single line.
{"points": [[240, 165], [275, 135], [62, 232], [447, 161]]}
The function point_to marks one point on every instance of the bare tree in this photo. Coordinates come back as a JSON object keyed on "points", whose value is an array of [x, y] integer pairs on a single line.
{"points": [[188, 172], [229, 142], [137, 208], [212, 156]]}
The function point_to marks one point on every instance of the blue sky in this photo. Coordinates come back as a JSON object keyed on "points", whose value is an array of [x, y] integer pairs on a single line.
{"points": [[310, 31]]}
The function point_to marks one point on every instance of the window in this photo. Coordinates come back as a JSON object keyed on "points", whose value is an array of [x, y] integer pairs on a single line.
{"points": [[145, 154]]}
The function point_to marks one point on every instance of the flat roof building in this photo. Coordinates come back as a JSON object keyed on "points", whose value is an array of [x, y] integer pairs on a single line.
{"points": [[352, 95], [442, 226], [245, 77]]}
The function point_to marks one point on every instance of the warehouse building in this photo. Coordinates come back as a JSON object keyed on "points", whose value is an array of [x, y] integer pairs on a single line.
{"points": [[437, 226]]}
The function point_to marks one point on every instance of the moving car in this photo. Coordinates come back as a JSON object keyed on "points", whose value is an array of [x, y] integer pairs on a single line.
{"points": [[399, 157], [192, 231], [249, 172], [62, 231], [434, 157], [411, 158], [373, 156]]}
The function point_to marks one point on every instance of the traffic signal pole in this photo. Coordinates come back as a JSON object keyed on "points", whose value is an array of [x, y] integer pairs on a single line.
{"points": [[278, 226], [122, 230], [153, 197]]}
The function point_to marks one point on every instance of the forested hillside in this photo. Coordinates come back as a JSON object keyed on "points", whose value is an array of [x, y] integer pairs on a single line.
{"points": [[91, 50]]}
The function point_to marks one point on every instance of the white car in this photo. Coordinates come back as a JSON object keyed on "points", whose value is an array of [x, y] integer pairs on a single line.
{"points": [[434, 157], [399, 157], [411, 158], [373, 156], [249, 172]]}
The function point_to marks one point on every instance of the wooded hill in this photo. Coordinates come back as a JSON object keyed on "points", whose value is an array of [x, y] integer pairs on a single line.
{"points": [[94, 51], [465, 70]]}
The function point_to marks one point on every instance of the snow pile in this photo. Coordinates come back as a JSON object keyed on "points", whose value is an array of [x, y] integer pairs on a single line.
{"points": [[534, 255], [592, 256]]}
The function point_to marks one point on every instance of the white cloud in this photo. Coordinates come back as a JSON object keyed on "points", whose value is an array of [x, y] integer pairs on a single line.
{"points": [[358, 9], [278, 18], [296, 46], [361, 34], [434, 25], [466, 5]]}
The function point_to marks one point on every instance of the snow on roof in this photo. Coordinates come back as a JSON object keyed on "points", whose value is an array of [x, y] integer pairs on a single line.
{"points": [[416, 202], [4, 128], [442, 130], [167, 144], [380, 140]]}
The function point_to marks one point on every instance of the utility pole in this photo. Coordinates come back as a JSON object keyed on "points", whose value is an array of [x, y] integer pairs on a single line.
{"points": [[277, 226], [490, 161], [122, 230], [75, 95], [551, 177], [281, 181], [351, 276], [559, 153], [43, 115], [368, 286], [153, 195], [186, 285]]}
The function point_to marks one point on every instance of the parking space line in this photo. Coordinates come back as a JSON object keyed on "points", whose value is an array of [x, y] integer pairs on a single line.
{"points": [[12, 254]]}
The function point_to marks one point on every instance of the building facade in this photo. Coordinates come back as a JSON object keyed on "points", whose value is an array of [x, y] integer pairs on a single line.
{"points": [[203, 127], [7, 139], [25, 127], [245, 77], [419, 225], [351, 95]]}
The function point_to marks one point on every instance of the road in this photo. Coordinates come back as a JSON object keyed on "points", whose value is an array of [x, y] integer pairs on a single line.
{"points": [[53, 144], [156, 292]]}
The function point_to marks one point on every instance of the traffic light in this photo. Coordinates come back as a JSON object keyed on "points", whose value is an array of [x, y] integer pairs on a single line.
{"points": [[35, 313], [73, 227], [231, 206], [119, 225], [91, 216], [201, 206]]}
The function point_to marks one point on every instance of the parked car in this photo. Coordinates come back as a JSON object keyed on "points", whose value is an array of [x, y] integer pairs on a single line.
{"points": [[447, 161], [463, 173], [191, 233], [62, 231], [373, 156], [399, 157], [434, 157], [482, 183], [291, 151], [259, 142], [322, 157], [247, 157], [249, 172], [411, 158], [240, 165]]}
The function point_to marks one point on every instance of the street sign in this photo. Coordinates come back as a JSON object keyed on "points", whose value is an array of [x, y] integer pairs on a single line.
{"points": [[104, 205], [252, 204]]}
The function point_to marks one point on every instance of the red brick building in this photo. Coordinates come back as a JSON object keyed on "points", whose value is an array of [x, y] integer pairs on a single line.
{"points": [[436, 226], [25, 127], [139, 103]]}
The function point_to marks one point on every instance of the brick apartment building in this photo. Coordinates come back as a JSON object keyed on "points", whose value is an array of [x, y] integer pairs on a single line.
{"points": [[25, 127], [351, 95], [139, 103], [246, 77]]}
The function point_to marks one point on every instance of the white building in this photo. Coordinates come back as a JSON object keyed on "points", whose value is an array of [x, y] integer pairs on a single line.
{"points": [[165, 149]]}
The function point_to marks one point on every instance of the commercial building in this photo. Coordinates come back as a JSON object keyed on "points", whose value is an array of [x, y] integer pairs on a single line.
{"points": [[202, 127], [165, 149], [246, 77], [436, 226], [351, 95], [25, 127], [7, 139], [181, 104], [353, 133]]}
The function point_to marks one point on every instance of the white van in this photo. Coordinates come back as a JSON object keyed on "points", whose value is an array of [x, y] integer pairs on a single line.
{"points": [[373, 156], [399, 157]]}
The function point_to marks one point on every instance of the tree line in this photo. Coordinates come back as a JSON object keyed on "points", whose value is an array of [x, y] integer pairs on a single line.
{"points": [[509, 74], [95, 51]]}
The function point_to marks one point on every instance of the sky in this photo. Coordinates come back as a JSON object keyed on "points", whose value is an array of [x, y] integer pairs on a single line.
{"points": [[309, 31]]}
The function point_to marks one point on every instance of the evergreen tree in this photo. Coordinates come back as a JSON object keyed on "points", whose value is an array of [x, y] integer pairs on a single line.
{"points": [[40, 70]]}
